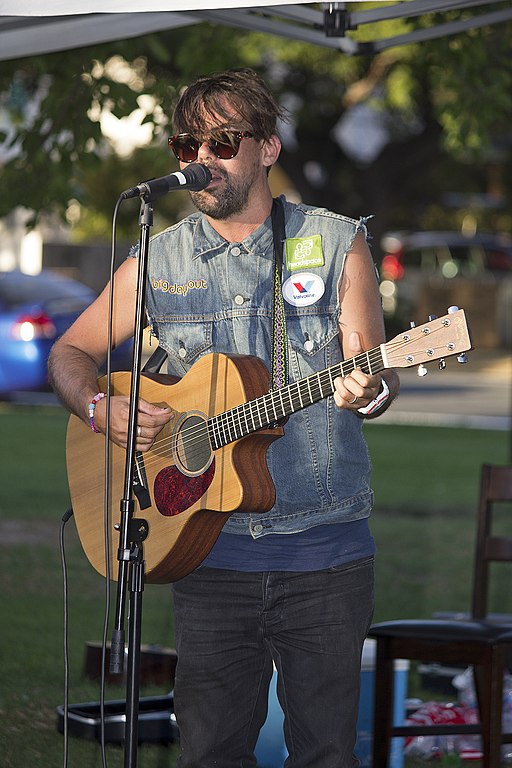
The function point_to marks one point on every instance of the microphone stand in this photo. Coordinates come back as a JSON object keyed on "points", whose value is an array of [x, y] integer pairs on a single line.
{"points": [[132, 531]]}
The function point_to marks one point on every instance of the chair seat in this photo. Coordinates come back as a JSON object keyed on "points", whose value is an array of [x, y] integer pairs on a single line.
{"points": [[444, 631]]}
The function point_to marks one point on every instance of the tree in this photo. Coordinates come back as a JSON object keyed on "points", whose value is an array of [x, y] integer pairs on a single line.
{"points": [[442, 108]]}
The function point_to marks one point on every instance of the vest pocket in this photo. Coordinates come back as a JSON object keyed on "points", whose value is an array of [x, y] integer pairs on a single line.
{"points": [[185, 342], [308, 334]]}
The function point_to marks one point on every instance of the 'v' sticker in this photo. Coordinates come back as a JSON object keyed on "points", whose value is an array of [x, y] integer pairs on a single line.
{"points": [[303, 289]]}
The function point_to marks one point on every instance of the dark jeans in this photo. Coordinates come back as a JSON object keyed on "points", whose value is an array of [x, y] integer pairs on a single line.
{"points": [[230, 629]]}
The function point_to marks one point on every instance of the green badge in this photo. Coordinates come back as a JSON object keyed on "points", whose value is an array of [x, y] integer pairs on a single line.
{"points": [[304, 252]]}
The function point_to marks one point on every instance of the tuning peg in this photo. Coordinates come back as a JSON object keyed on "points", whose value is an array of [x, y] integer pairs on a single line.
{"points": [[432, 317], [412, 324], [422, 370], [462, 358], [442, 364]]}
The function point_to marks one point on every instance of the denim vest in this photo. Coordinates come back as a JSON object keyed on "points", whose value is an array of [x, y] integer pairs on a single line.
{"points": [[207, 295]]}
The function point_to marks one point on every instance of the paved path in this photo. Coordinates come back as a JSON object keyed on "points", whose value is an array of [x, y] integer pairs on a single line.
{"points": [[477, 394]]}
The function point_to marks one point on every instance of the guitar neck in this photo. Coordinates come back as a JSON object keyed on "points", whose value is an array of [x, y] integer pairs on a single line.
{"points": [[265, 411]]}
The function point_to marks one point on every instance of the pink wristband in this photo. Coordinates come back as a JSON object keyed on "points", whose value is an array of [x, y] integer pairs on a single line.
{"points": [[92, 406]]}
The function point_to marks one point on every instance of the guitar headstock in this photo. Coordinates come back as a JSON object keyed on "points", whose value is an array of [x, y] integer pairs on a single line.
{"points": [[439, 338]]}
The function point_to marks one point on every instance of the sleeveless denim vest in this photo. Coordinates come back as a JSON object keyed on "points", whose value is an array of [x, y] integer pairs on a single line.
{"points": [[207, 295]]}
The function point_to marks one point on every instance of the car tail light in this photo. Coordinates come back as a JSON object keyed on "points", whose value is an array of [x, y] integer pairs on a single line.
{"points": [[34, 326], [391, 267]]}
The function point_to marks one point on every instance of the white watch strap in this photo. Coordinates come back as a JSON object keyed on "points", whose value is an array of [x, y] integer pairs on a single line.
{"points": [[377, 403]]}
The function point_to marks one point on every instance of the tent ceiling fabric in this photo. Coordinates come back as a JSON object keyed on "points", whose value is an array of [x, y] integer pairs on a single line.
{"points": [[26, 31], [27, 35], [73, 7], [22, 36]]}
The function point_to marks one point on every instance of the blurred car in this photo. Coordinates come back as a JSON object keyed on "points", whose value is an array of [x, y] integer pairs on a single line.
{"points": [[34, 311], [417, 267]]}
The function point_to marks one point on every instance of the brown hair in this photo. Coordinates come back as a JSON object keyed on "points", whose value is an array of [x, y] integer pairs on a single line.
{"points": [[214, 96]]}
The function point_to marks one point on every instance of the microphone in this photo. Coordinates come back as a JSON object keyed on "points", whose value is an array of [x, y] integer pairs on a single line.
{"points": [[194, 177]]}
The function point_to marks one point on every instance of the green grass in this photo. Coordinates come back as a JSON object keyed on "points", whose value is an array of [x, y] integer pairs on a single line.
{"points": [[32, 681], [431, 469], [426, 485], [33, 475], [34, 496]]}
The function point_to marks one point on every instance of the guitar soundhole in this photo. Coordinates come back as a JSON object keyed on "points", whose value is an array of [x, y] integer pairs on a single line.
{"points": [[192, 447]]}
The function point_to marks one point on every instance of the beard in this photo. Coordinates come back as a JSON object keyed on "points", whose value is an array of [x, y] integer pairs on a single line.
{"points": [[229, 198]]}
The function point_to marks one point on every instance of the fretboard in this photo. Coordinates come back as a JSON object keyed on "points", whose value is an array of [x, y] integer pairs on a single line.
{"points": [[267, 410]]}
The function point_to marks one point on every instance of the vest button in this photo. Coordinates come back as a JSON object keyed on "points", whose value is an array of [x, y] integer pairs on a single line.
{"points": [[236, 251], [239, 300], [308, 345], [182, 352], [258, 528]]}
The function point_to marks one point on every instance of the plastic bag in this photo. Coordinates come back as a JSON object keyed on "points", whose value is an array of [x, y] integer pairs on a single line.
{"points": [[463, 712], [434, 713], [470, 745]]}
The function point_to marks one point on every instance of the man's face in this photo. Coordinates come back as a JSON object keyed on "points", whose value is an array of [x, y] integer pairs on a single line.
{"points": [[233, 180]]}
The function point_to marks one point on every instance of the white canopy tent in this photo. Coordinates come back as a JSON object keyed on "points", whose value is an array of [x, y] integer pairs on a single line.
{"points": [[26, 29]]}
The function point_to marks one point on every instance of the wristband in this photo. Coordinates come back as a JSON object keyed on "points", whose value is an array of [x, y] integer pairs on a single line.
{"points": [[91, 407], [377, 403]]}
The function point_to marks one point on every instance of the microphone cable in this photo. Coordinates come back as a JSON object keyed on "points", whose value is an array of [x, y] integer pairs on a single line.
{"points": [[106, 524], [66, 516]]}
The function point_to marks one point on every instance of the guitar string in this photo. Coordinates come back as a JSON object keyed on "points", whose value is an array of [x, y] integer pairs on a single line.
{"points": [[251, 412], [301, 388], [231, 421], [226, 422]]}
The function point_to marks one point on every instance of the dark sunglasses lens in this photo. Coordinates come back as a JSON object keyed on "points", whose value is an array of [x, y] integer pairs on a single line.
{"points": [[185, 149], [226, 148]]}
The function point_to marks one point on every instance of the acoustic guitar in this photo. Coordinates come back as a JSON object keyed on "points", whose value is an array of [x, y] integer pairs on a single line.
{"points": [[210, 460]]}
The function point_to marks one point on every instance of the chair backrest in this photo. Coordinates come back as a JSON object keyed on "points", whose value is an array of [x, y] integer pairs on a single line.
{"points": [[495, 487]]}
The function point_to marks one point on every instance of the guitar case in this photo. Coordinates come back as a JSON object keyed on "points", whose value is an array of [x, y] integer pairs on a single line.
{"points": [[157, 723]]}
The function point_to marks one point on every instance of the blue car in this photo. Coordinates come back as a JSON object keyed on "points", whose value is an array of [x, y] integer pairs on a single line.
{"points": [[34, 311]]}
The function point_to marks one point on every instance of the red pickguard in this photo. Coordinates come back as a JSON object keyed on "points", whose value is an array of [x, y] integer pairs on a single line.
{"points": [[175, 492]]}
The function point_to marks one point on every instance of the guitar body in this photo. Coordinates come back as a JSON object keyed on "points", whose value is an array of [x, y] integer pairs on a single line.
{"points": [[192, 488]]}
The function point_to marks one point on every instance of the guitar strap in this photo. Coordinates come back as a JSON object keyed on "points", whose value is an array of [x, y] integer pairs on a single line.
{"points": [[279, 339]]}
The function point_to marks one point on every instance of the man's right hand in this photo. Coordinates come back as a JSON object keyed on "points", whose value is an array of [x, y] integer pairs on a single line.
{"points": [[150, 420]]}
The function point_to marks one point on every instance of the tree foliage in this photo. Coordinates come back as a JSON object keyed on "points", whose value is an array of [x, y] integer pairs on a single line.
{"points": [[443, 108]]}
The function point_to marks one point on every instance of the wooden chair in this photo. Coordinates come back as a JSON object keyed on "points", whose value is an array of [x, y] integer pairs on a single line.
{"points": [[480, 640]]}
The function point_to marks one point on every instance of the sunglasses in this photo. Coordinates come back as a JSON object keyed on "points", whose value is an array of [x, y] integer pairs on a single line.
{"points": [[186, 147]]}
